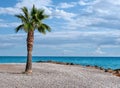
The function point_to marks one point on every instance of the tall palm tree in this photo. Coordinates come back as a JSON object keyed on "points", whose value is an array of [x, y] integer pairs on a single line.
{"points": [[31, 21]]}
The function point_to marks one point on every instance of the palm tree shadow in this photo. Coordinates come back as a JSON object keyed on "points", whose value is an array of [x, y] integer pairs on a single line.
{"points": [[20, 73], [12, 72]]}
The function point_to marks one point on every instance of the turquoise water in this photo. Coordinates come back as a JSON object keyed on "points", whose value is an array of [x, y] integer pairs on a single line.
{"points": [[105, 62]]}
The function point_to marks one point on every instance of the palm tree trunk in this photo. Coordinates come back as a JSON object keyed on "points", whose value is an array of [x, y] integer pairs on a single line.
{"points": [[30, 39]]}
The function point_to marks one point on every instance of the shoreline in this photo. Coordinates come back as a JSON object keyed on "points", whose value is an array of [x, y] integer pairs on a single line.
{"points": [[115, 72]]}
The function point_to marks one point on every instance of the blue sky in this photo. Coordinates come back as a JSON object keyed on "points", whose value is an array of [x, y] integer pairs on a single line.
{"points": [[79, 28]]}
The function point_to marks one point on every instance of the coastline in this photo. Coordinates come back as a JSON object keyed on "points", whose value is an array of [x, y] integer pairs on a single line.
{"points": [[105, 62], [115, 72]]}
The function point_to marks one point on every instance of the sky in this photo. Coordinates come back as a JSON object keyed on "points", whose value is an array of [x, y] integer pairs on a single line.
{"points": [[79, 28]]}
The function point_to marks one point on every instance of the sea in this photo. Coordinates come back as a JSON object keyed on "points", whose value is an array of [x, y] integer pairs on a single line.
{"points": [[105, 62]]}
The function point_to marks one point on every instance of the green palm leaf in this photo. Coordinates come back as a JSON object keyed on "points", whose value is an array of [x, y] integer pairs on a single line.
{"points": [[33, 20], [20, 27], [20, 16], [46, 27], [25, 11]]}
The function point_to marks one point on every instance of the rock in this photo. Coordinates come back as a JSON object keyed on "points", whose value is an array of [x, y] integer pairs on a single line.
{"points": [[117, 70], [96, 66], [101, 68], [109, 70], [117, 75], [106, 70], [63, 63], [87, 65], [71, 64]]}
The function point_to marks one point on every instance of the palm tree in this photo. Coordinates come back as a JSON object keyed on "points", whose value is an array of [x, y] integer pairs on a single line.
{"points": [[31, 21]]}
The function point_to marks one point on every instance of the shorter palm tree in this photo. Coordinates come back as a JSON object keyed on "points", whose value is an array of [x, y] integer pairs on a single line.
{"points": [[32, 20]]}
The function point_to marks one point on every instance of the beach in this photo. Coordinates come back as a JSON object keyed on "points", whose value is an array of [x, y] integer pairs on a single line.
{"points": [[51, 75]]}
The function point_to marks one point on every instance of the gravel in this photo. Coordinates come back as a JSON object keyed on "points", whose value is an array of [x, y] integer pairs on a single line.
{"points": [[49, 75]]}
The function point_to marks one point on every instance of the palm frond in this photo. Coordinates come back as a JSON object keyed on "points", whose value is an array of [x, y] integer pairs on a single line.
{"points": [[42, 15], [25, 11], [46, 27], [20, 16], [41, 30], [33, 20], [34, 11], [19, 28], [26, 27], [46, 16]]}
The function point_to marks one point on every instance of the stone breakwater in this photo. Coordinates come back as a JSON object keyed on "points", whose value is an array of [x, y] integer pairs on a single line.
{"points": [[115, 72]]}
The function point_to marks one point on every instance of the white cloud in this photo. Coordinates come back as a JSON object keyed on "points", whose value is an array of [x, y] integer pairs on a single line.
{"points": [[37, 3], [6, 25], [45, 4], [96, 13], [63, 14], [82, 3], [72, 37], [67, 42], [110, 46], [67, 52], [87, 2], [28, 3], [101, 8], [104, 7], [118, 40], [5, 45], [115, 2], [97, 23], [9, 10], [83, 22], [99, 51], [66, 5]]}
